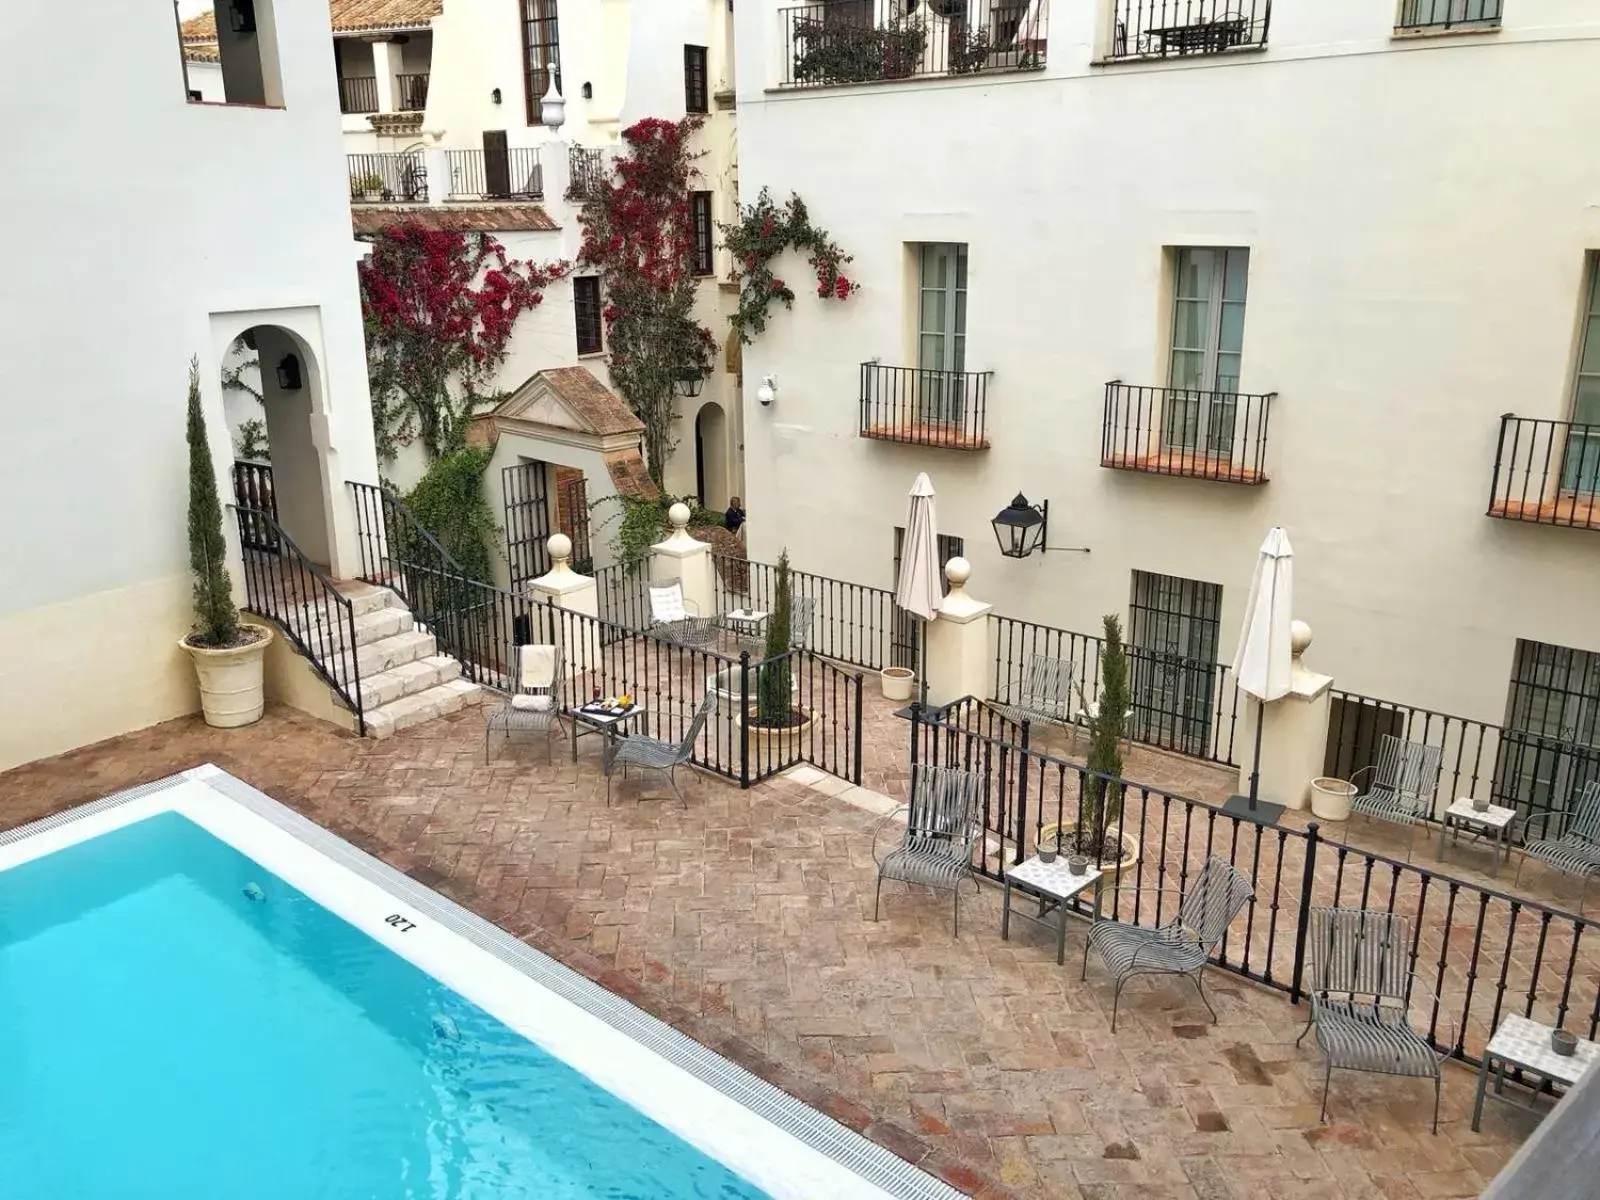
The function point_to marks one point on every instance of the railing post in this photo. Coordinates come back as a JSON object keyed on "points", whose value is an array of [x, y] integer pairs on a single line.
{"points": [[1303, 920], [743, 718], [1022, 792], [858, 738]]}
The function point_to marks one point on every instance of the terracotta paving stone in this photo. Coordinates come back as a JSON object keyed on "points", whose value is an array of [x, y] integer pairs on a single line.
{"points": [[744, 919]]}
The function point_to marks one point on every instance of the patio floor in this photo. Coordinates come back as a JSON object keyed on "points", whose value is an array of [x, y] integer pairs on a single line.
{"points": [[745, 919]]}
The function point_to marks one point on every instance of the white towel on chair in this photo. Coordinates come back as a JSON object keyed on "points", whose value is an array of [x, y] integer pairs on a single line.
{"points": [[536, 667]]}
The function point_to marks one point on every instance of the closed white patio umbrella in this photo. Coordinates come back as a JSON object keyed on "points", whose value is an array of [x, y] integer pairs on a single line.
{"points": [[918, 590], [1264, 662]]}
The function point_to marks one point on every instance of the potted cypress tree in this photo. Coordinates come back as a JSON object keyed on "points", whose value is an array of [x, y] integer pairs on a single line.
{"points": [[227, 653], [774, 733]]}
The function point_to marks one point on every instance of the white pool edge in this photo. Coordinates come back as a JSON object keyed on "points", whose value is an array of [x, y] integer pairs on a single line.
{"points": [[781, 1145]]}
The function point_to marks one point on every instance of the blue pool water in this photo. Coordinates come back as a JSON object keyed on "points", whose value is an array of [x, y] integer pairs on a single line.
{"points": [[164, 1036]]}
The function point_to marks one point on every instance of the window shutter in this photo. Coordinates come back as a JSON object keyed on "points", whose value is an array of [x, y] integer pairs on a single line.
{"points": [[496, 164]]}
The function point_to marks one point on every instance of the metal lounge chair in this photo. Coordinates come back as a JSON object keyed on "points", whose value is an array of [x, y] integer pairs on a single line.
{"points": [[942, 827], [534, 706], [1402, 787], [654, 754], [1575, 848], [1183, 944], [675, 619], [1361, 987], [1045, 697]]}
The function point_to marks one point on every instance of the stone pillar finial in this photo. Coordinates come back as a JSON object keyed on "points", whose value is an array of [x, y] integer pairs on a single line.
{"points": [[678, 515], [1299, 637], [958, 571], [560, 547]]}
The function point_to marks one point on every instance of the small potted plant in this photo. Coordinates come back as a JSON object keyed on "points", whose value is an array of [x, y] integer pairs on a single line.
{"points": [[773, 734], [226, 652]]}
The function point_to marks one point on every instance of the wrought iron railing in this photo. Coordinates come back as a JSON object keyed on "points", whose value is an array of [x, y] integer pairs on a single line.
{"points": [[925, 408], [1448, 14], [872, 41], [358, 94], [1179, 431], [283, 584], [1178, 28], [1547, 472], [475, 175], [848, 622], [252, 491], [411, 91], [387, 178], [586, 172], [1484, 953]]}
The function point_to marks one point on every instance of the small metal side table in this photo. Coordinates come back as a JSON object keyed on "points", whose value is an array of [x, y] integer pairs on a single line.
{"points": [[1053, 885], [1522, 1043], [609, 725], [1493, 821]]}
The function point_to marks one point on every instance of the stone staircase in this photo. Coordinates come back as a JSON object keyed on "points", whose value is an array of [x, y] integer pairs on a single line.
{"points": [[404, 679]]}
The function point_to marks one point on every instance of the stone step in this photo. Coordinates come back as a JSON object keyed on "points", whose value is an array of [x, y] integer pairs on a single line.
{"points": [[407, 680], [425, 705], [368, 598], [395, 651]]}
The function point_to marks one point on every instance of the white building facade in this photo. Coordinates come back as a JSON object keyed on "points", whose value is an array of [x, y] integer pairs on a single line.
{"points": [[1189, 278], [229, 215]]}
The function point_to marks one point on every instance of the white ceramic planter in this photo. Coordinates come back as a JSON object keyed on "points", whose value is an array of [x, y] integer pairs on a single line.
{"points": [[725, 684], [231, 689], [897, 682], [1330, 799]]}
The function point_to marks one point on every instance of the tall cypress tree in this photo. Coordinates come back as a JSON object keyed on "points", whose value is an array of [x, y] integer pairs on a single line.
{"points": [[216, 619], [774, 702]]}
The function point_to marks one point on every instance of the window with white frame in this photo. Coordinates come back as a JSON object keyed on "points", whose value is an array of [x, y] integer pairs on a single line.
{"points": [[1208, 301], [941, 329]]}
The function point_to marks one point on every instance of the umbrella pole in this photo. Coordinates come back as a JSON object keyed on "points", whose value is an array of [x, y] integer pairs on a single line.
{"points": [[1250, 807], [1255, 764]]}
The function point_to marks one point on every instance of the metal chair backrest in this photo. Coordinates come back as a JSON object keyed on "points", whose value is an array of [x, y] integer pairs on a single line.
{"points": [[1585, 823], [1049, 685], [801, 611], [666, 601], [1217, 895], [944, 805], [1360, 952], [696, 727], [1410, 770]]}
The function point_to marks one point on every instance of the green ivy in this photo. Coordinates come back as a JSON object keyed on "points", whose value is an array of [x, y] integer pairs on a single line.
{"points": [[828, 52], [643, 523], [252, 445], [449, 502]]}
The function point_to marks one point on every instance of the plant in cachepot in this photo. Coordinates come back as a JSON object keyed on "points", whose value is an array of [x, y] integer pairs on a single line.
{"points": [[227, 653], [775, 732]]}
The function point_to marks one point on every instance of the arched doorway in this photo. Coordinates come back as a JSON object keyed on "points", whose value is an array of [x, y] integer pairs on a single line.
{"points": [[711, 455]]}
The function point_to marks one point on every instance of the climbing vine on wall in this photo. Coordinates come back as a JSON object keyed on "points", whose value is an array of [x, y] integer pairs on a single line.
{"points": [[765, 230], [439, 306], [638, 230]]}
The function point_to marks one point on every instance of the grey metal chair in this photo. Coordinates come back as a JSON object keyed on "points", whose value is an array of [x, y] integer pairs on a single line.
{"points": [[654, 754], [1181, 946], [1045, 697], [1575, 848], [1360, 990], [675, 619], [802, 611], [942, 826], [534, 705], [1402, 787]]}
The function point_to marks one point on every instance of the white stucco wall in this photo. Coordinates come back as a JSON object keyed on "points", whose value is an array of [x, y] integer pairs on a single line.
{"points": [[1417, 212], [206, 78], [220, 215]]}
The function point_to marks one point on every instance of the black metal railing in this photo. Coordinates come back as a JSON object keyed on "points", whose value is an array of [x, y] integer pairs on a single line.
{"points": [[387, 178], [475, 175], [849, 622], [870, 41], [1179, 704], [1177, 28], [358, 94], [252, 491], [411, 91], [925, 408], [1448, 14], [1484, 953], [1180, 431], [1547, 472], [284, 585], [586, 172], [1510, 767]]}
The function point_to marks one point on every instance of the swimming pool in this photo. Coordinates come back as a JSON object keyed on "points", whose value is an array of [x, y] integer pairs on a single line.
{"points": [[203, 994]]}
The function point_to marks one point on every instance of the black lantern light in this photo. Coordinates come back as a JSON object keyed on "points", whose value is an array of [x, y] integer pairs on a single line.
{"points": [[289, 373], [1021, 528], [690, 381]]}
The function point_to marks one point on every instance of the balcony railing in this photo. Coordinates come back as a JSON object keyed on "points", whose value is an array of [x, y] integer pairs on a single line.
{"points": [[868, 41], [387, 178], [515, 175], [925, 408], [358, 94], [1547, 472], [1178, 28], [1431, 15], [411, 92], [586, 172], [1179, 431]]}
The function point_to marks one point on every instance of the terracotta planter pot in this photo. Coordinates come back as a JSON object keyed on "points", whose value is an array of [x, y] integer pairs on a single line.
{"points": [[231, 689]]}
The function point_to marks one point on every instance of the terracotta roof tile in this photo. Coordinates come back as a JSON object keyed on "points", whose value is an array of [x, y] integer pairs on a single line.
{"points": [[492, 218], [591, 400], [200, 28], [346, 16]]}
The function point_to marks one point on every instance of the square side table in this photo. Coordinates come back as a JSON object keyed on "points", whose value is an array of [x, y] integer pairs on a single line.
{"points": [[1053, 886], [1493, 821], [1521, 1043]]}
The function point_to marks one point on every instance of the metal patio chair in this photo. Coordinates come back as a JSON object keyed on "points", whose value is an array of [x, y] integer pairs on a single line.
{"points": [[1045, 697], [675, 619], [1181, 946], [1402, 787], [942, 826], [1360, 991], [534, 705], [1575, 850], [655, 754], [802, 610]]}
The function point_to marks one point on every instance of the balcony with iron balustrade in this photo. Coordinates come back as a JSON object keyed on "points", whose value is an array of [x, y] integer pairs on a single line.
{"points": [[1547, 473], [917, 407], [1215, 435], [1145, 29]]}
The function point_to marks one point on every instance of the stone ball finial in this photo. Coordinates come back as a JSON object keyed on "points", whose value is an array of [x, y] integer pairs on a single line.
{"points": [[1299, 637], [678, 514], [560, 547], [958, 571]]}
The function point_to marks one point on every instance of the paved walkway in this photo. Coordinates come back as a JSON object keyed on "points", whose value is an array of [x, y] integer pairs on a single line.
{"points": [[745, 920]]}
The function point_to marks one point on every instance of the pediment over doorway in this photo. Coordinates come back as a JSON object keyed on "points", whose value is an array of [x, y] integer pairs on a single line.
{"points": [[569, 400]]}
